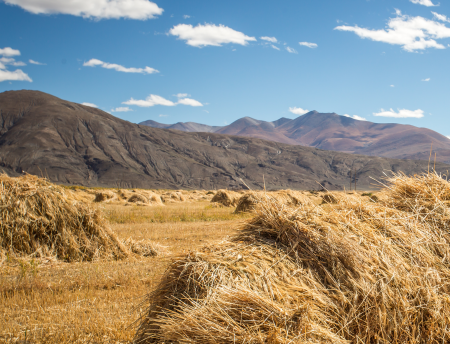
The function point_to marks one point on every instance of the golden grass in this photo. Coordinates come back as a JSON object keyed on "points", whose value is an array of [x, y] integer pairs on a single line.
{"points": [[351, 272], [94, 302]]}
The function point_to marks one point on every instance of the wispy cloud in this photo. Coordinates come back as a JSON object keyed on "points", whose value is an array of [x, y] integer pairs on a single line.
{"points": [[275, 47], [427, 3], [427, 79], [154, 99], [182, 95], [298, 111], [12, 62], [119, 68], [392, 85], [403, 113], [412, 33], [98, 9], [121, 109], [90, 105], [186, 16], [269, 39], [209, 34], [291, 50], [356, 117], [441, 17], [308, 44], [36, 63]]}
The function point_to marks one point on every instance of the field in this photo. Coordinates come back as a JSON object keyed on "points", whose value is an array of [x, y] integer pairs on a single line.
{"points": [[96, 302]]}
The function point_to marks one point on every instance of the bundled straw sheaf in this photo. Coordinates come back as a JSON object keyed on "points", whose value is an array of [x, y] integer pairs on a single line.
{"points": [[40, 218], [351, 272]]}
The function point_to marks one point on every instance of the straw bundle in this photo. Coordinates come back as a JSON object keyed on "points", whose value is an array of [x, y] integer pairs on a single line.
{"points": [[226, 197], [41, 218], [105, 195], [330, 198], [145, 248], [353, 272]]}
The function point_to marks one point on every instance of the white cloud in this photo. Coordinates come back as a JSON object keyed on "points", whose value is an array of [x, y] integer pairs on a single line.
{"points": [[441, 17], [182, 95], [98, 9], [356, 117], [308, 44], [163, 116], [403, 113], [190, 102], [36, 63], [10, 61], [412, 33], [291, 50], [209, 34], [269, 39], [448, 137], [298, 111], [119, 68], [427, 79], [9, 52], [121, 109], [90, 105], [17, 75], [392, 85], [186, 16], [427, 3], [154, 99], [275, 47]]}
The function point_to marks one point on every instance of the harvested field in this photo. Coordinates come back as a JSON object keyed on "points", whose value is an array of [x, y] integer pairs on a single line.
{"points": [[348, 272]]}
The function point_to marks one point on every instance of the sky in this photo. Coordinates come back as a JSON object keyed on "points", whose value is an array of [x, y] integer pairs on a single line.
{"points": [[213, 62]]}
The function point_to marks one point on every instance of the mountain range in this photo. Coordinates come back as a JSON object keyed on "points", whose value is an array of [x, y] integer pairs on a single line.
{"points": [[330, 131], [70, 143]]}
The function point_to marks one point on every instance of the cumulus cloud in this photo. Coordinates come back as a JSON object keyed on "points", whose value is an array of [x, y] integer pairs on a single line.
{"points": [[291, 50], [9, 52], [209, 34], [90, 105], [17, 75], [269, 39], [427, 79], [403, 113], [122, 109], [308, 44], [275, 47], [7, 75], [154, 99], [190, 102], [119, 68], [441, 17], [356, 117], [97, 9], [36, 63], [427, 3], [10, 61], [412, 33], [298, 111]]}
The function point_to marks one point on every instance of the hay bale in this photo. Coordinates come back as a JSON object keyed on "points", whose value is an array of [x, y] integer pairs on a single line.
{"points": [[173, 197], [144, 248], [40, 218], [248, 202], [356, 272], [145, 198], [138, 198], [226, 197], [104, 195]]}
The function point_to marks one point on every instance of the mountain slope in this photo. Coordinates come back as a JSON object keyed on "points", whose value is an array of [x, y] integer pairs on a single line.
{"points": [[75, 144], [182, 126]]}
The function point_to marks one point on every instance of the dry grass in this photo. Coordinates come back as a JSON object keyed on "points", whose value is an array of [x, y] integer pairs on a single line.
{"points": [[42, 219], [351, 272], [227, 198], [49, 301]]}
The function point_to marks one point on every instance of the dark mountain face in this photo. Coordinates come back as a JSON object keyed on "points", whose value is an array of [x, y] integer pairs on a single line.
{"points": [[75, 144], [330, 131]]}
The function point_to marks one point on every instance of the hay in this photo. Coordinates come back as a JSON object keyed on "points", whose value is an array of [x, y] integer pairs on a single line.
{"points": [[247, 202], [330, 198], [42, 219], [144, 248], [173, 197], [226, 197], [105, 195], [145, 198], [353, 272]]}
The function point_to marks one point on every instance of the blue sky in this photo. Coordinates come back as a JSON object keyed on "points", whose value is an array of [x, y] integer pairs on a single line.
{"points": [[214, 62]]}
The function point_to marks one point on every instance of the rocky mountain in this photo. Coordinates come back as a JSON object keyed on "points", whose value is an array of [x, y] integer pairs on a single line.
{"points": [[75, 144], [330, 131], [182, 126]]}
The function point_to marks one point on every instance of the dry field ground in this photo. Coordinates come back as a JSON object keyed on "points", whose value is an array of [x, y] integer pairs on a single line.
{"points": [[97, 302]]}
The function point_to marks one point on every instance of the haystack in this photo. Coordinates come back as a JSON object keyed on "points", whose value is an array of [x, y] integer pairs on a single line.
{"points": [[104, 196], [42, 219], [226, 197], [147, 198], [145, 248], [173, 197], [330, 198], [356, 272]]}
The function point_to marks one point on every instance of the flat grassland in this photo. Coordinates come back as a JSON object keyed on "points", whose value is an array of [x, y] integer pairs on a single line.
{"points": [[47, 301]]}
